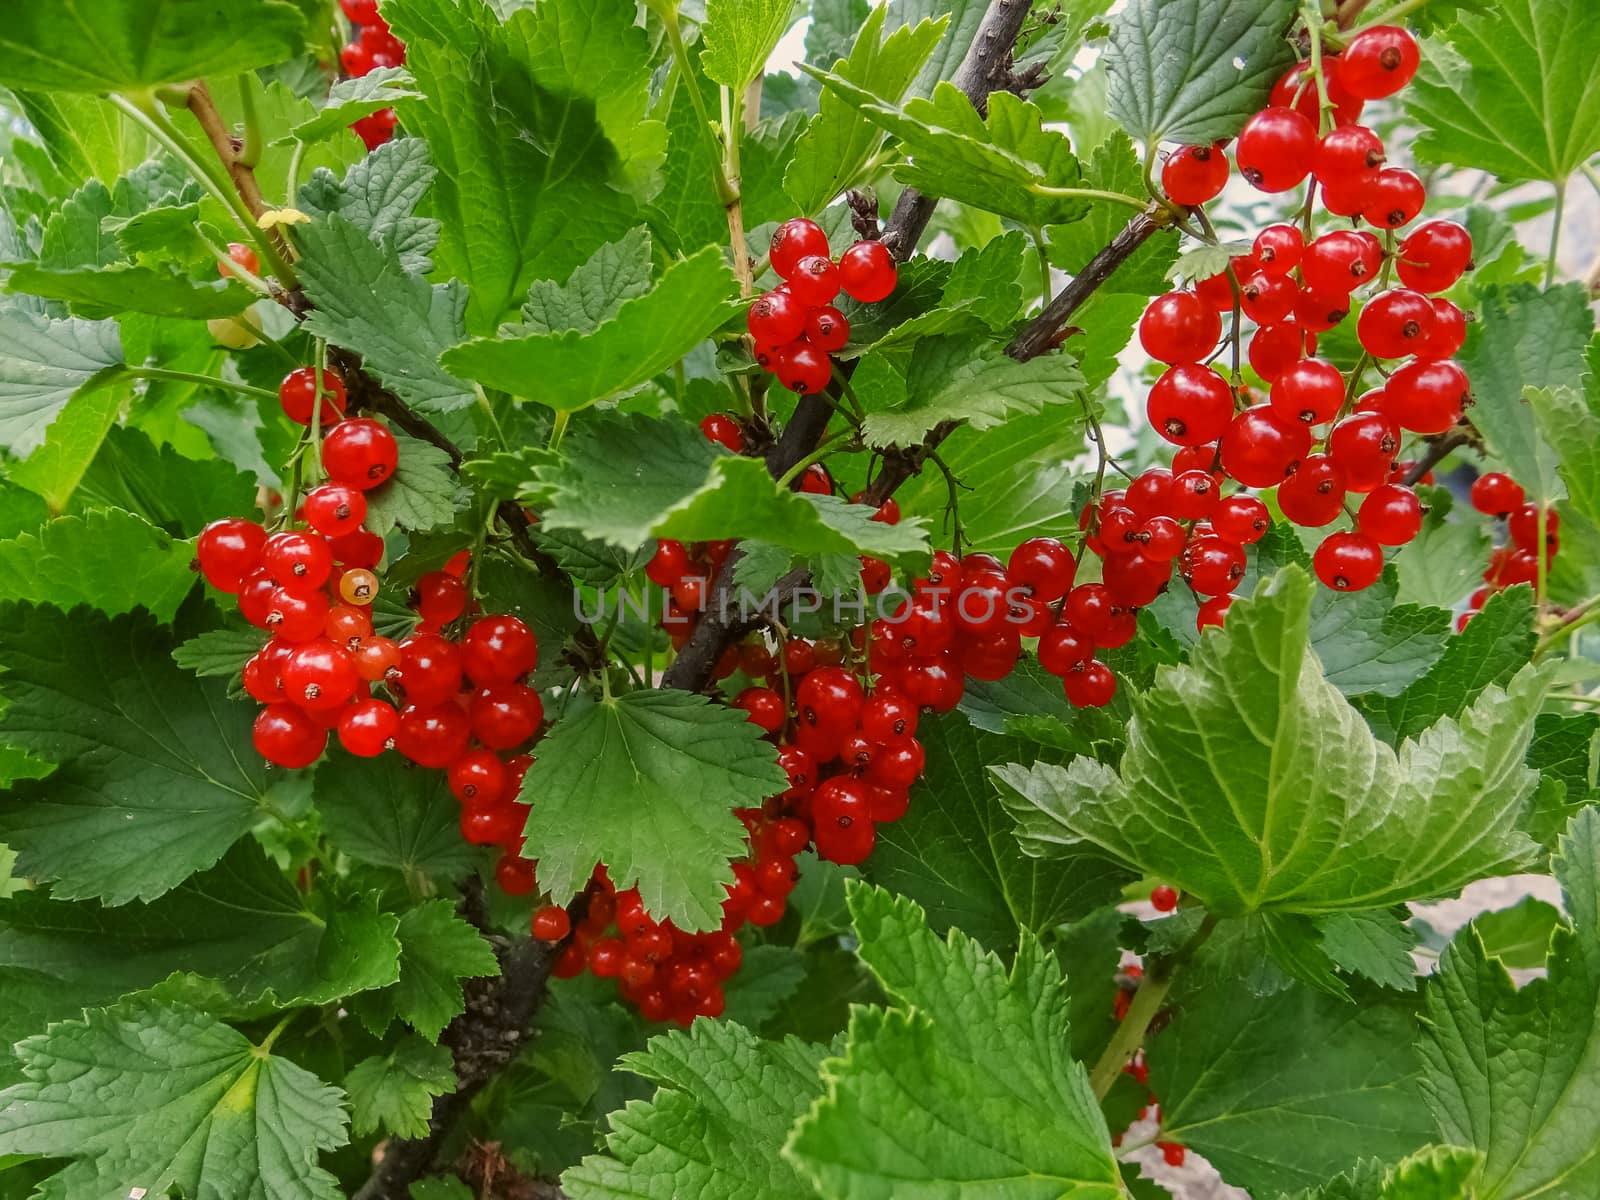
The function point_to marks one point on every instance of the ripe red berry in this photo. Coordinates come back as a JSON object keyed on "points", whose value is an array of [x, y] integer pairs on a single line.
{"points": [[1090, 686], [1297, 89], [1194, 495], [367, 729], [1278, 248], [669, 564], [1523, 525], [775, 319], [227, 550], [1435, 255], [1318, 310], [479, 777], [319, 675], [1337, 263], [1212, 613], [242, 255], [506, 715], [360, 12], [1496, 494], [1449, 331], [514, 875], [1214, 566], [722, 429], [358, 549], [360, 452], [1395, 323], [299, 561], [429, 671], [1349, 157], [816, 481], [1195, 174], [1314, 495], [499, 649], [298, 392], [1267, 299], [1261, 447], [816, 281], [763, 706], [550, 923], [1043, 566], [1364, 445], [827, 329], [1348, 562], [1172, 1154], [1427, 397], [294, 616], [1179, 328], [1379, 61], [793, 240], [1276, 348], [1164, 898], [1276, 148], [441, 598], [1242, 520], [378, 128], [1395, 198], [1391, 515], [285, 735], [1190, 405], [335, 509], [434, 736], [1311, 391], [805, 369], [868, 271], [356, 59]]}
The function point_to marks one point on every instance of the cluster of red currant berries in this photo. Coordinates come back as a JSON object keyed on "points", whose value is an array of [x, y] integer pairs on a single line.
{"points": [[373, 46], [1517, 560], [1314, 439], [795, 327]]}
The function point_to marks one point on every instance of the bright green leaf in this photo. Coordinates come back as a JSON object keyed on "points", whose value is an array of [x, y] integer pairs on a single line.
{"points": [[43, 364], [1376, 945], [617, 272], [437, 950], [351, 99], [739, 37], [105, 291], [108, 559], [394, 1092], [1519, 936], [380, 194], [422, 494], [72, 443]]}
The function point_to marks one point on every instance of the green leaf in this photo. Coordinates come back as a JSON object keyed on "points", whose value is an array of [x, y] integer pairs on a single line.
{"points": [[724, 1102], [616, 273], [966, 1087], [221, 652], [1524, 339], [1241, 1077], [966, 18], [954, 851], [1494, 646], [108, 559], [1375, 945], [132, 45], [739, 37], [1250, 783], [87, 137], [767, 976], [422, 494], [43, 364], [394, 1092], [380, 194], [1114, 167], [156, 1097], [105, 291], [152, 786], [972, 380], [1432, 1173], [647, 783], [1566, 424], [437, 950], [1519, 936], [1007, 164], [388, 813], [367, 302], [1515, 1072], [572, 369], [239, 938], [182, 495], [1368, 642], [54, 471], [351, 99], [1444, 563], [840, 143], [516, 208], [1193, 71], [1474, 103]]}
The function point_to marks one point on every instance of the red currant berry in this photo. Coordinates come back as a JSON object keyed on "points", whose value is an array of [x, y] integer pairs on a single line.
{"points": [[514, 875], [669, 564], [1395, 323], [241, 255], [550, 923], [1267, 299], [375, 657], [1062, 648], [506, 715], [763, 706], [1242, 520], [376, 129], [367, 728], [294, 616], [441, 598], [827, 329], [228, 550], [1260, 447], [356, 59], [1314, 495], [1278, 248], [1449, 332], [479, 777], [888, 717], [298, 392], [434, 736], [1523, 525], [1395, 199], [1391, 515], [1337, 263], [1044, 567], [1276, 348], [1318, 311], [1297, 89], [358, 549], [429, 671], [816, 281], [1379, 61], [1172, 1154], [1214, 566], [1090, 686], [805, 369], [285, 735], [1276, 148], [1349, 157], [300, 562], [776, 319], [1364, 445], [1348, 562], [1496, 494], [499, 649], [1428, 397], [360, 12], [1179, 328], [1311, 391], [360, 452], [263, 674], [868, 271], [793, 240], [1164, 898], [723, 430], [1190, 405], [1194, 495], [335, 510], [319, 675], [1435, 255], [1195, 174], [1212, 613]]}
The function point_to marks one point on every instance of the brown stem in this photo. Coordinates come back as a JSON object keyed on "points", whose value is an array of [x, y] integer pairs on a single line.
{"points": [[1439, 449], [243, 174]]}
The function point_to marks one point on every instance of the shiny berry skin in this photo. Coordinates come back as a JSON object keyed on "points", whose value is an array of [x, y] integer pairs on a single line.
{"points": [[319, 675], [1348, 562], [378, 128], [430, 669], [367, 728], [479, 777], [1318, 310], [1391, 515], [375, 657], [298, 392], [1395, 199], [1275, 149], [1314, 495], [868, 272], [1214, 566], [441, 598], [1311, 391], [1090, 686], [296, 616], [1260, 447], [434, 736], [839, 803], [1195, 174], [242, 255], [1062, 648], [1349, 156], [829, 697], [358, 586], [1164, 898], [775, 319], [286, 736], [498, 649], [360, 12], [228, 550], [356, 59], [827, 329], [763, 706], [816, 281], [815, 481], [1297, 89], [1427, 397], [1212, 613], [899, 764], [1276, 348], [300, 562], [506, 715], [1194, 495], [1044, 567], [1135, 579], [263, 674], [1496, 494], [793, 240], [1190, 405], [669, 564], [1364, 445], [348, 626], [805, 369], [1179, 328], [1217, 290], [1339, 262], [360, 452], [1278, 248], [723, 430], [888, 717], [550, 923], [1241, 520], [334, 510], [1379, 61], [1150, 492], [1449, 332], [1434, 256], [514, 875], [358, 549], [257, 591], [1395, 323], [1267, 299]]}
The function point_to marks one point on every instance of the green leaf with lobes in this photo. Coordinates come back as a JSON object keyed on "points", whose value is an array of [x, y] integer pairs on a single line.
{"points": [[617, 272], [150, 1097], [109, 559], [394, 1092], [437, 950], [349, 100], [739, 37], [380, 195], [44, 363], [646, 783], [1250, 782], [385, 812], [106, 291]]}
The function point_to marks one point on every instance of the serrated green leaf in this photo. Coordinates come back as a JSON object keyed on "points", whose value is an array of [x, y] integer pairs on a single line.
{"points": [[973, 380], [1515, 1072], [616, 273], [647, 783], [739, 36], [132, 45], [1519, 936], [182, 495], [394, 1092], [840, 142], [422, 494], [151, 779], [572, 370], [221, 652], [437, 950], [1444, 563], [367, 302], [44, 363], [156, 1097], [1474, 103], [954, 851], [1007, 163], [1240, 1077], [1194, 70], [767, 976], [966, 18], [1525, 339], [388, 813], [86, 136], [72, 443], [108, 559], [1114, 167], [1432, 1173], [1250, 782], [380, 194], [1369, 642], [1375, 945], [104, 291], [351, 99], [585, 561], [724, 1102], [967, 1086]]}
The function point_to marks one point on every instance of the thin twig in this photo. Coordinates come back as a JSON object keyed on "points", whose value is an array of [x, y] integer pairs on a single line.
{"points": [[1438, 450]]}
